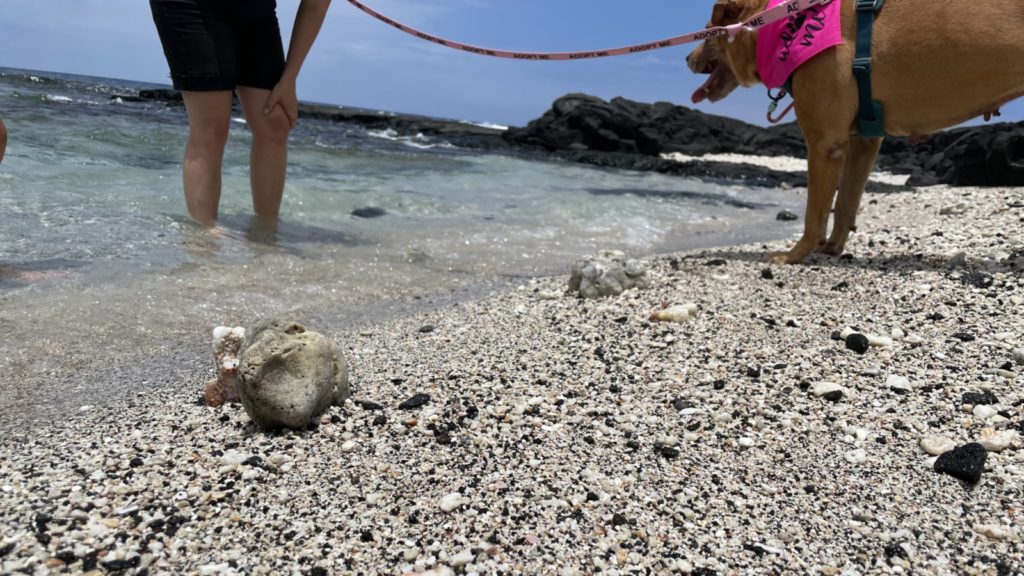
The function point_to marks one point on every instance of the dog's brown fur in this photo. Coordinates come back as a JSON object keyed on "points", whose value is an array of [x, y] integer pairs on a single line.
{"points": [[936, 63]]}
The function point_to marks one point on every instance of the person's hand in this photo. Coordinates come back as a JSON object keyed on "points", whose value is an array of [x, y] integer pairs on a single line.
{"points": [[283, 95]]}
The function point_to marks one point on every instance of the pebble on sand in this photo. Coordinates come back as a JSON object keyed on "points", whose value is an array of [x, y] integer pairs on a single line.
{"points": [[995, 531], [984, 412], [858, 343], [898, 383], [450, 502], [1018, 355], [678, 313], [829, 391], [965, 462], [858, 456], [997, 441], [937, 445]]}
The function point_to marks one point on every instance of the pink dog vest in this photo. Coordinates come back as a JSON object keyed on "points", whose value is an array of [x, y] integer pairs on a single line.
{"points": [[784, 46]]}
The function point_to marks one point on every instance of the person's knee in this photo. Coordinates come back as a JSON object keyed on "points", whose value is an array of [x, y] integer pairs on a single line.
{"points": [[272, 128], [209, 135]]}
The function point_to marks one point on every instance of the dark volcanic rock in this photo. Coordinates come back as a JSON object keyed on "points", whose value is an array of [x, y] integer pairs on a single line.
{"points": [[631, 135], [577, 123], [858, 343], [965, 462], [581, 122], [977, 156], [979, 398], [415, 402], [369, 212]]}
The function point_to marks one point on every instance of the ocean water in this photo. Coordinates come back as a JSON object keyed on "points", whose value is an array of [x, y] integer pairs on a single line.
{"points": [[107, 289]]}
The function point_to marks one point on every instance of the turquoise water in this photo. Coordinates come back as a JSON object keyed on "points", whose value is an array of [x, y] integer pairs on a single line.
{"points": [[105, 285]]}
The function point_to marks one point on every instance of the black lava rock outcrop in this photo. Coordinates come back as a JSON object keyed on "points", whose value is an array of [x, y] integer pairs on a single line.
{"points": [[632, 136], [579, 122], [990, 155]]}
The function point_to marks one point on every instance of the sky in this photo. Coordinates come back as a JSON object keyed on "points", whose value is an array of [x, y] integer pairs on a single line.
{"points": [[358, 61]]}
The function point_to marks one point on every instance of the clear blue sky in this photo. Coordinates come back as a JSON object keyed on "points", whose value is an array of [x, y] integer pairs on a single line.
{"points": [[361, 62]]}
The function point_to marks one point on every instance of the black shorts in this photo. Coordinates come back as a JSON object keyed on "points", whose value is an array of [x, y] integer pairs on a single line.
{"points": [[220, 44]]}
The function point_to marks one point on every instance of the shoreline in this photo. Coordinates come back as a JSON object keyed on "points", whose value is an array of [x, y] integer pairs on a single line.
{"points": [[568, 436]]}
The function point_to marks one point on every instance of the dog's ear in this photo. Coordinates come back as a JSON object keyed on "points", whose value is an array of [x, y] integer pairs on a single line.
{"points": [[726, 12]]}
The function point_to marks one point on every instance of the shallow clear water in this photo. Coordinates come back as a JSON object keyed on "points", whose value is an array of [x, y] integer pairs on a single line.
{"points": [[103, 279]]}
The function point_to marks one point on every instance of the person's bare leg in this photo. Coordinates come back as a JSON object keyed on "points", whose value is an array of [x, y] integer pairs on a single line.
{"points": [[3, 140], [209, 116], [268, 159]]}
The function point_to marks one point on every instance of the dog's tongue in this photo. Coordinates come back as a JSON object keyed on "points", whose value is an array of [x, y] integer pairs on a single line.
{"points": [[702, 93]]}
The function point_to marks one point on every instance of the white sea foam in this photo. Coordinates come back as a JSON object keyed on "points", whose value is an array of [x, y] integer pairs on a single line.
{"points": [[781, 163], [419, 141], [485, 125]]}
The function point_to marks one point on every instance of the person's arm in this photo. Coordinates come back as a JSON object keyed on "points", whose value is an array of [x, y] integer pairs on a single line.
{"points": [[308, 21], [3, 140]]}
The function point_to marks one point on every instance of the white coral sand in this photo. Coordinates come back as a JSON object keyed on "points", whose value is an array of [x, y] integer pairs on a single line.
{"points": [[781, 163]]}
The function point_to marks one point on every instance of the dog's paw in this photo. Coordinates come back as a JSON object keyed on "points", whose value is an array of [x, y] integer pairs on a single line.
{"points": [[776, 258], [784, 258], [831, 249]]}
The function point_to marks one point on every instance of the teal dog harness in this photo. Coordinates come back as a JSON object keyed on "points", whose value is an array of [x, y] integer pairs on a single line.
{"points": [[870, 114]]}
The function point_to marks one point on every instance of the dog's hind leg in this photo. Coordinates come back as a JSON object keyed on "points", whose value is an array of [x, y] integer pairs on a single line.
{"points": [[824, 163], [856, 171]]}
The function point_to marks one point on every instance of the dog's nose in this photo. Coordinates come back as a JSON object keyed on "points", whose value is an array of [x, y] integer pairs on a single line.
{"points": [[688, 56]]}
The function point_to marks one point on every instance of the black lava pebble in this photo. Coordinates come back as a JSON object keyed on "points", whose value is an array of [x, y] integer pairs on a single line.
{"points": [[895, 551], [426, 329], [979, 399], [786, 216], [122, 564], [977, 279], [858, 343], [669, 452], [965, 462], [767, 274], [833, 396], [371, 212], [681, 404], [415, 402]]}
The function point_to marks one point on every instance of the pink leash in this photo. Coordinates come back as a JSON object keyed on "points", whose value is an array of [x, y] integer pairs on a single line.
{"points": [[760, 20]]}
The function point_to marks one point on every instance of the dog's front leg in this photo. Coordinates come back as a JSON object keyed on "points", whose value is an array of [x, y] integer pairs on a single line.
{"points": [[856, 171], [824, 162]]}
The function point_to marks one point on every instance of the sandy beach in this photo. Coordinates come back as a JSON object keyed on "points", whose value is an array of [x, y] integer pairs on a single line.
{"points": [[577, 437]]}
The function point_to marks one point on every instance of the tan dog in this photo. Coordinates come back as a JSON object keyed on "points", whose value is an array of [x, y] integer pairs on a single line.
{"points": [[936, 64]]}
